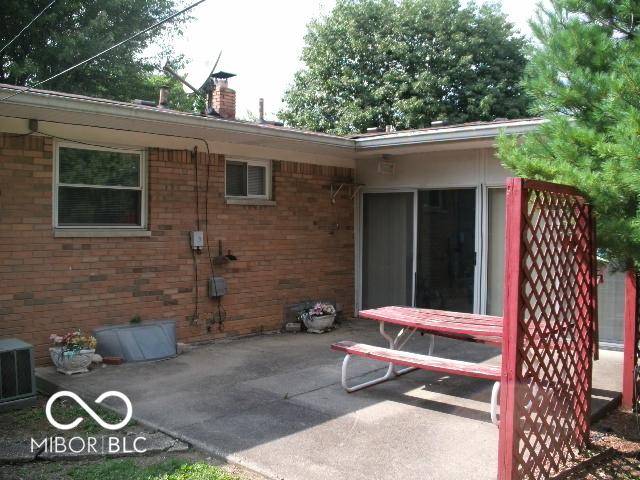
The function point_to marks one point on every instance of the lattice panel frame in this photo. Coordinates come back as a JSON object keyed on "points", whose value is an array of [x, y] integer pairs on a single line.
{"points": [[631, 367], [549, 329], [636, 350]]}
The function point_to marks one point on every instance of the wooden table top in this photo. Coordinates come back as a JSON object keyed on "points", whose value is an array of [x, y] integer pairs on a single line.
{"points": [[462, 326]]}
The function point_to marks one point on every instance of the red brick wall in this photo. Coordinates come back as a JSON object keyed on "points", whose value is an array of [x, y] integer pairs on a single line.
{"points": [[286, 253]]}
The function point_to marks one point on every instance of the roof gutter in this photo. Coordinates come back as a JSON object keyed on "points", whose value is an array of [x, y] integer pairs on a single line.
{"points": [[97, 107], [56, 101], [447, 134]]}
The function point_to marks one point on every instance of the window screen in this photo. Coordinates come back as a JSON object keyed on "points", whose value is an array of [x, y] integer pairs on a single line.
{"points": [[97, 167], [256, 177], [99, 188], [98, 206], [247, 178]]}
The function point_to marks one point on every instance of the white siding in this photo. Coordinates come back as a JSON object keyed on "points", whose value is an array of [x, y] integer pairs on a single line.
{"points": [[457, 168]]}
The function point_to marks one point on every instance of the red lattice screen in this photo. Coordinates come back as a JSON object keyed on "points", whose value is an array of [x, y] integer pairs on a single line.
{"points": [[549, 329], [631, 368]]}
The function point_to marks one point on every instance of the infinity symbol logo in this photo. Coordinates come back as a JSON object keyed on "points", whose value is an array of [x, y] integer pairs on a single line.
{"points": [[89, 410]]}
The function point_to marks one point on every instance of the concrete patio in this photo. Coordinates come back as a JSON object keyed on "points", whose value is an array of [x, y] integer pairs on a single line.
{"points": [[275, 405]]}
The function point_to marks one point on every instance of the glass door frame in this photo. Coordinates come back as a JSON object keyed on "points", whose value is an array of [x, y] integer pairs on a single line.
{"points": [[481, 238], [359, 256], [478, 239], [484, 256]]}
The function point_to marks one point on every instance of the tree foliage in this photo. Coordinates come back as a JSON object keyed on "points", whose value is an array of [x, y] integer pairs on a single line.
{"points": [[73, 30], [372, 63], [585, 79]]}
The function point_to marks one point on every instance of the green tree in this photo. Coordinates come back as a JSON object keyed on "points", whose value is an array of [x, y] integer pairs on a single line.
{"points": [[73, 30], [585, 80], [372, 63]]}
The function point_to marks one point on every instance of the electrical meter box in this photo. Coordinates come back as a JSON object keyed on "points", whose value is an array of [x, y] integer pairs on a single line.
{"points": [[217, 287], [197, 240]]}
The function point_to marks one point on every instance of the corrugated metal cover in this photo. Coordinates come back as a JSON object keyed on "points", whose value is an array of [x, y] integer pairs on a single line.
{"points": [[138, 342]]}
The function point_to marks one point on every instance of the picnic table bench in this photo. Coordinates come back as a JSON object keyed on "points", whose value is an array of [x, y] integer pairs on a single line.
{"points": [[461, 326]]}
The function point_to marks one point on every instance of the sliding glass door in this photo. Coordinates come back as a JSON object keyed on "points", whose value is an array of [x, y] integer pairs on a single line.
{"points": [[434, 248], [446, 249], [387, 249], [496, 216]]}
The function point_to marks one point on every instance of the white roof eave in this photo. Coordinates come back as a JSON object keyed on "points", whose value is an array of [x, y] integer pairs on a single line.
{"points": [[447, 134], [55, 101], [100, 107]]}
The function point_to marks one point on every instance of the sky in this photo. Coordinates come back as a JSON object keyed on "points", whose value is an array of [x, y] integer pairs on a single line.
{"points": [[262, 40]]}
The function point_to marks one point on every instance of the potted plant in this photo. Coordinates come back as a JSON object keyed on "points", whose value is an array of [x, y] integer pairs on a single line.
{"points": [[319, 318], [72, 352]]}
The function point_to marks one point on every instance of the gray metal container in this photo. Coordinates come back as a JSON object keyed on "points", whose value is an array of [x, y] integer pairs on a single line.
{"points": [[138, 342]]}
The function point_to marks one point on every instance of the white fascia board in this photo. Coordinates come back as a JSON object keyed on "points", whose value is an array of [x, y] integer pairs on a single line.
{"points": [[55, 101], [447, 134]]}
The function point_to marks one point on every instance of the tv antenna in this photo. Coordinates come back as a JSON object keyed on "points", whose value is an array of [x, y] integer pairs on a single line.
{"points": [[204, 75]]}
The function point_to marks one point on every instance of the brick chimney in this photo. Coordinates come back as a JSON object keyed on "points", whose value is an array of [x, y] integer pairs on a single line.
{"points": [[224, 99]]}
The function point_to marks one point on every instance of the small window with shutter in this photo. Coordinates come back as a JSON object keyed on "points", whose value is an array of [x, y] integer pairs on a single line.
{"points": [[248, 178], [99, 187]]}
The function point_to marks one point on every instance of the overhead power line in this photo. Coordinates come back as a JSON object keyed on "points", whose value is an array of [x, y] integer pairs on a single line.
{"points": [[99, 54], [27, 26]]}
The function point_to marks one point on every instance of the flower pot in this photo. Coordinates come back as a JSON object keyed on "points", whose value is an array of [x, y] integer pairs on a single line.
{"points": [[70, 362], [319, 324]]}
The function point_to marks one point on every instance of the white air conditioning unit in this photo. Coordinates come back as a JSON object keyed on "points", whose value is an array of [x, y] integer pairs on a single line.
{"points": [[17, 376]]}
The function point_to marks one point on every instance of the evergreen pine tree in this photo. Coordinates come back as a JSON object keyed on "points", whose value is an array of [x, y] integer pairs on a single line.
{"points": [[585, 80]]}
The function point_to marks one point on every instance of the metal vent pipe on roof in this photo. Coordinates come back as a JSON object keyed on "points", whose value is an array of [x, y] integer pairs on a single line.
{"points": [[163, 100]]}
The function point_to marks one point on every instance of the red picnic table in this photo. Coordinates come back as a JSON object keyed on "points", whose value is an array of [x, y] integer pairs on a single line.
{"points": [[548, 337], [461, 326]]}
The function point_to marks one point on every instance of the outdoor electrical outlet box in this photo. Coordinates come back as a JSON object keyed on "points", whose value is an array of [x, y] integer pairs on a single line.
{"points": [[217, 287], [197, 240]]}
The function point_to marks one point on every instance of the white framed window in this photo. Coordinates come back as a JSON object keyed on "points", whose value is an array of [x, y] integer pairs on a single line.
{"points": [[99, 187], [246, 178]]}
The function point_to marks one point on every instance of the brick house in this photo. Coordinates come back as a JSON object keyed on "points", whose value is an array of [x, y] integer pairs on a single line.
{"points": [[97, 200]]}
